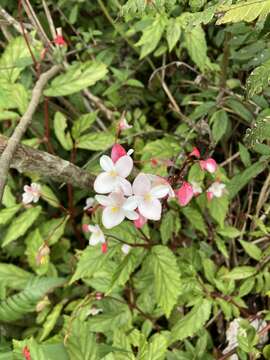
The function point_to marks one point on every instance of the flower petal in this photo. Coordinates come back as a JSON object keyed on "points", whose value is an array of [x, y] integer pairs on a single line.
{"points": [[124, 166], [184, 194], [159, 191], [150, 209], [117, 152], [112, 217], [105, 183], [140, 222], [106, 163], [27, 198], [131, 203], [94, 239], [125, 186], [103, 200], [131, 215], [141, 184]]}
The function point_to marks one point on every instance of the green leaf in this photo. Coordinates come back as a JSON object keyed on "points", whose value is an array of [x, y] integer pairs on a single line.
{"points": [[251, 249], [195, 218], [21, 224], [170, 224], [156, 349], [90, 261], [16, 306], [152, 35], [38, 262], [51, 320], [241, 272], [14, 276], [77, 77], [60, 125], [193, 321], [244, 11], [95, 141], [197, 48], [218, 208], [258, 80], [167, 283], [229, 231], [242, 179], [7, 214], [244, 155], [173, 33], [81, 342], [52, 230], [82, 124], [220, 122], [49, 196]]}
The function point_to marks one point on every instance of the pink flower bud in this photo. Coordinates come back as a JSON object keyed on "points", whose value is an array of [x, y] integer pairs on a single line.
{"points": [[123, 125], [140, 222], [99, 295], [59, 40], [209, 195], [184, 194], [117, 152], [85, 228], [26, 353], [195, 152], [104, 248], [209, 165]]}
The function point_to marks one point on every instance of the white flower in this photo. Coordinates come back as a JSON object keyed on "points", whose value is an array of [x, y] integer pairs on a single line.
{"points": [[148, 197], [196, 188], [123, 124], [117, 207], [125, 248], [89, 203], [217, 189], [94, 311], [97, 235], [113, 177], [158, 180], [31, 193]]}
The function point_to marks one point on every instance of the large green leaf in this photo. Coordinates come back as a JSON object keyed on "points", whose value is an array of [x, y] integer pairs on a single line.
{"points": [[167, 277], [16, 306], [95, 141], [155, 350], [192, 321], [7, 214], [21, 224], [77, 77], [14, 276]]}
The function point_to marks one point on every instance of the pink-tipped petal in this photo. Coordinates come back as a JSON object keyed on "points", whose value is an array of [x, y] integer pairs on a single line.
{"points": [[195, 152], [184, 194], [209, 165], [85, 228], [117, 152], [140, 222], [209, 195]]}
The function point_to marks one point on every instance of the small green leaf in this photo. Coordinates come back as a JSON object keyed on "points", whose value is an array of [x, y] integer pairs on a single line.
{"points": [[83, 124], [21, 224], [95, 141], [229, 231], [195, 218], [77, 77], [51, 320], [173, 33], [14, 276], [60, 125], [170, 224], [244, 155], [162, 261], [220, 122], [251, 249], [218, 208], [193, 321], [49, 196], [7, 214], [241, 272]]}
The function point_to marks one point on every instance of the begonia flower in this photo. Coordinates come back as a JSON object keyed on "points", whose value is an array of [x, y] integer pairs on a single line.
{"points": [[117, 208], [114, 175], [209, 165], [31, 193], [97, 235], [125, 248], [184, 193], [217, 189], [195, 152], [197, 189], [148, 196], [89, 203], [123, 125]]}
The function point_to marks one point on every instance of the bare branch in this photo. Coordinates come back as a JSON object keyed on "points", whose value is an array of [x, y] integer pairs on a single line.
{"points": [[14, 140], [29, 160]]}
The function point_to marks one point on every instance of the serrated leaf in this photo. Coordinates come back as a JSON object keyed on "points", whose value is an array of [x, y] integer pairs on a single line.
{"points": [[16, 306], [60, 125], [242, 179], [170, 224], [251, 249], [83, 124], [193, 321], [81, 341], [167, 283], [244, 11], [241, 272], [259, 78], [21, 224], [52, 230], [195, 218], [218, 208], [95, 141], [77, 77], [173, 33], [7, 214], [14, 276], [156, 349], [50, 321]]}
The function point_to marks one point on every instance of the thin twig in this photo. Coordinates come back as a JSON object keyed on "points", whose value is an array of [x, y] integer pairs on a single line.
{"points": [[21, 128]]}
